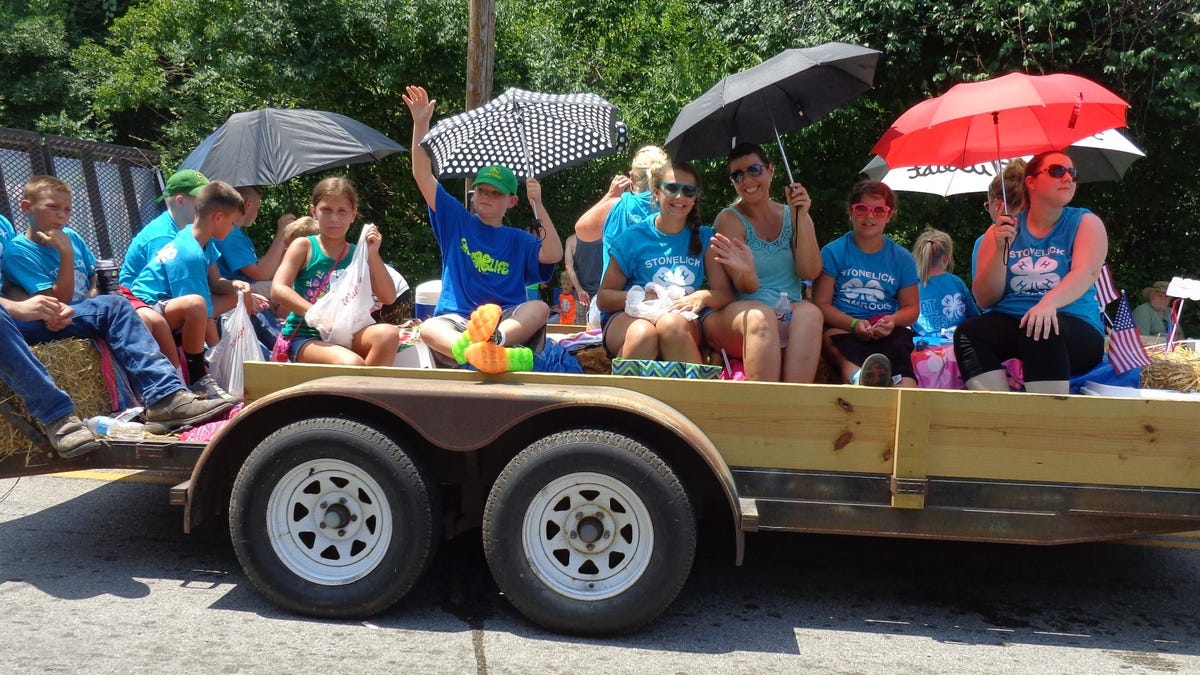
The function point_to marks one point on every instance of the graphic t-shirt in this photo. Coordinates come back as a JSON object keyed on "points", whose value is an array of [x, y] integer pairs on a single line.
{"points": [[945, 303], [648, 255], [180, 268], [867, 284], [482, 264], [157, 233]]}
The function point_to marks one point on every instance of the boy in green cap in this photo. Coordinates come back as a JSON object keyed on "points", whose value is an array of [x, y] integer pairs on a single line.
{"points": [[483, 262]]}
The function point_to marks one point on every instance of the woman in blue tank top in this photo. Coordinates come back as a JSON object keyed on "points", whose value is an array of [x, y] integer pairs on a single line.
{"points": [[1035, 280], [765, 249]]}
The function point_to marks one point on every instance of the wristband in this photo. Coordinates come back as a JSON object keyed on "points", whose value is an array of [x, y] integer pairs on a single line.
{"points": [[854, 323]]}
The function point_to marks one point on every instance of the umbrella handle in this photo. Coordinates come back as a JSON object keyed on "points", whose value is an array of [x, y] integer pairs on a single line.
{"points": [[528, 168]]}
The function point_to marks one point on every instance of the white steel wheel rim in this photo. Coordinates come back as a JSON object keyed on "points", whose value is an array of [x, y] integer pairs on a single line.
{"points": [[582, 509], [329, 522]]}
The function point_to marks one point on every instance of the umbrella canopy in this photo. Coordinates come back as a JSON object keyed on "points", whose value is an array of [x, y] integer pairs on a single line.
{"points": [[1105, 156], [782, 94], [269, 146], [1008, 116], [531, 133]]}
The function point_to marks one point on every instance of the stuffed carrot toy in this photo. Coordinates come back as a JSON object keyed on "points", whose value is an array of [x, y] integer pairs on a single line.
{"points": [[476, 345]]}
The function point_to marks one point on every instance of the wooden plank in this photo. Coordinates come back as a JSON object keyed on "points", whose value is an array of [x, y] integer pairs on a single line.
{"points": [[912, 439]]}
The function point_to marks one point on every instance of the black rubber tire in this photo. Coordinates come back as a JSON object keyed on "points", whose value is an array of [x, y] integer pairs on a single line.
{"points": [[550, 485], [286, 561]]}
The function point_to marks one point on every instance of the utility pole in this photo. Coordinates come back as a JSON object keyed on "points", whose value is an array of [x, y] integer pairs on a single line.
{"points": [[481, 57]]}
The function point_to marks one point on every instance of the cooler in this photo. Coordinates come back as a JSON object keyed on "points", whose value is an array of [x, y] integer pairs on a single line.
{"points": [[426, 298]]}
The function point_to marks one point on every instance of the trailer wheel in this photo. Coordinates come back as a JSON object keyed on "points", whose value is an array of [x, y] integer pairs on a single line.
{"points": [[331, 518], [589, 532]]}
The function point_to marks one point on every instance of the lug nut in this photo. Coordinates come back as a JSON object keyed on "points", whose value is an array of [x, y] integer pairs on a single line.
{"points": [[341, 533]]}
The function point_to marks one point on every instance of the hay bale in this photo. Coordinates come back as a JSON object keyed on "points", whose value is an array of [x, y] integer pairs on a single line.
{"points": [[74, 365], [1177, 370]]}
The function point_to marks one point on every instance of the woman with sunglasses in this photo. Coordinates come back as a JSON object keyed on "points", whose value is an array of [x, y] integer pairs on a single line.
{"points": [[869, 294], [668, 249], [765, 249], [1040, 301]]}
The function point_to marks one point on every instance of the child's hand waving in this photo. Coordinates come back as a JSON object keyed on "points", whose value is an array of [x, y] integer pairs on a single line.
{"points": [[419, 103]]}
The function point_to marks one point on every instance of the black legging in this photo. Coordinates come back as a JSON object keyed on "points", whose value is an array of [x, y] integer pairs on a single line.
{"points": [[982, 343]]}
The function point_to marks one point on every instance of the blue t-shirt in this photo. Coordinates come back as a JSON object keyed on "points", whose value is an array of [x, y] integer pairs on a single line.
{"points": [[7, 231], [35, 268], [647, 255], [481, 264], [631, 209], [1037, 264], [180, 268], [945, 303], [237, 251], [156, 234], [868, 284]]}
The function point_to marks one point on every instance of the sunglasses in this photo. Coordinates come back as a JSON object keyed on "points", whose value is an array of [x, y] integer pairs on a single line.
{"points": [[676, 189], [863, 210], [1058, 171], [754, 171]]}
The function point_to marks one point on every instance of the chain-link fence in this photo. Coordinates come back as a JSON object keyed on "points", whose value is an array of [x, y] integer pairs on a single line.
{"points": [[115, 188]]}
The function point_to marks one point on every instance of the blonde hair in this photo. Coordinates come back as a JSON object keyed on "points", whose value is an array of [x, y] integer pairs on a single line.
{"points": [[932, 248], [300, 227], [645, 162], [1014, 186], [38, 187]]}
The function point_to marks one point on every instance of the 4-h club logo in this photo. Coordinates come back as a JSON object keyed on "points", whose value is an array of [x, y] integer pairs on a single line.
{"points": [[953, 307], [680, 275], [1030, 276], [856, 292]]}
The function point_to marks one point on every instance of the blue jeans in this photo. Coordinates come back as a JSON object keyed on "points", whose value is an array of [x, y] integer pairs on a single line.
{"points": [[27, 377], [111, 318]]}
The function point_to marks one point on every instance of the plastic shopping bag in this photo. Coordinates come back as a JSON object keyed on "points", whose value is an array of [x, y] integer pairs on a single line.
{"points": [[238, 345], [346, 308], [639, 306]]}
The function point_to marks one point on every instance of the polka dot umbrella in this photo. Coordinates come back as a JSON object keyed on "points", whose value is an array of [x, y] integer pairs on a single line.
{"points": [[531, 133]]}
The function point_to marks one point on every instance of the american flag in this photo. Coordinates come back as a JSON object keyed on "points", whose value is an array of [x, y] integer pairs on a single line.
{"points": [[1125, 350], [1106, 290]]}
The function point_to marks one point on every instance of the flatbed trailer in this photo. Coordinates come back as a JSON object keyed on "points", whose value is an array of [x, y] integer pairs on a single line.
{"points": [[338, 483]]}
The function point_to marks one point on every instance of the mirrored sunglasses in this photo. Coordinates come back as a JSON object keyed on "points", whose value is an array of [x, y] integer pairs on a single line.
{"points": [[878, 210], [754, 171], [676, 189], [1058, 170]]}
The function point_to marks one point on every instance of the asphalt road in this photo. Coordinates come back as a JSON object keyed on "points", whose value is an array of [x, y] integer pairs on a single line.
{"points": [[97, 576]]}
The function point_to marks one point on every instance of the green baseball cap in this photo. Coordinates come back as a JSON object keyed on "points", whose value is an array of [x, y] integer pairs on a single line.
{"points": [[498, 177], [185, 182]]}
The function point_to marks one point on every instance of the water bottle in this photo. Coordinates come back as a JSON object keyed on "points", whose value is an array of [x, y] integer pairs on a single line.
{"points": [[114, 428], [783, 312]]}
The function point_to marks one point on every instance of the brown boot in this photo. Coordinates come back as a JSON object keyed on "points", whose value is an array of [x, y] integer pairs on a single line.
{"points": [[69, 438], [181, 409]]}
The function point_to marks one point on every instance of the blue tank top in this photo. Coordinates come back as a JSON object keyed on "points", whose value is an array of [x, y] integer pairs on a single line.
{"points": [[774, 261], [1035, 265]]}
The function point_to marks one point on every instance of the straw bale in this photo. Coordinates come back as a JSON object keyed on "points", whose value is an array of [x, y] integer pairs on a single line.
{"points": [[1178, 370], [75, 366]]}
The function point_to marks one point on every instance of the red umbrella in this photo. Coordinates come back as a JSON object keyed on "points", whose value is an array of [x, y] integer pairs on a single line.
{"points": [[1008, 116]]}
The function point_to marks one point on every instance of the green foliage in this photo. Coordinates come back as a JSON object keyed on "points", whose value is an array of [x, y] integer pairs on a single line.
{"points": [[165, 73]]}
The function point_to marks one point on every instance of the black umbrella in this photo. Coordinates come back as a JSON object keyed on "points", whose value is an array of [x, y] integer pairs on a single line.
{"points": [[782, 94], [531, 133], [269, 146]]}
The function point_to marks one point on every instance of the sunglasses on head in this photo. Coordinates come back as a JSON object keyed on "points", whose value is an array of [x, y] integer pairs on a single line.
{"points": [[676, 189], [878, 210], [754, 171], [1058, 170]]}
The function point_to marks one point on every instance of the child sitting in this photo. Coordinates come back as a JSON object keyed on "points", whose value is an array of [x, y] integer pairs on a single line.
{"points": [[180, 279], [868, 294], [945, 299], [483, 262], [309, 266], [566, 303], [51, 262]]}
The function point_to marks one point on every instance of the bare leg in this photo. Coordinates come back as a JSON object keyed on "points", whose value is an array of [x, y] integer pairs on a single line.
{"points": [[161, 332], [678, 338], [803, 352], [377, 344]]}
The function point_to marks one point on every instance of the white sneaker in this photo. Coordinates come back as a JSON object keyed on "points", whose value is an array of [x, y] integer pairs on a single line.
{"points": [[207, 387]]}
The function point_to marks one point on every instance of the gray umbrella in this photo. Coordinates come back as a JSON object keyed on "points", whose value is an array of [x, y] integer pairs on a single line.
{"points": [[269, 146], [782, 94]]}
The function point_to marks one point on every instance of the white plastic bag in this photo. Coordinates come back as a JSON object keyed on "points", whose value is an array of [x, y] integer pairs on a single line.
{"points": [[639, 306], [593, 315], [346, 308], [238, 345]]}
